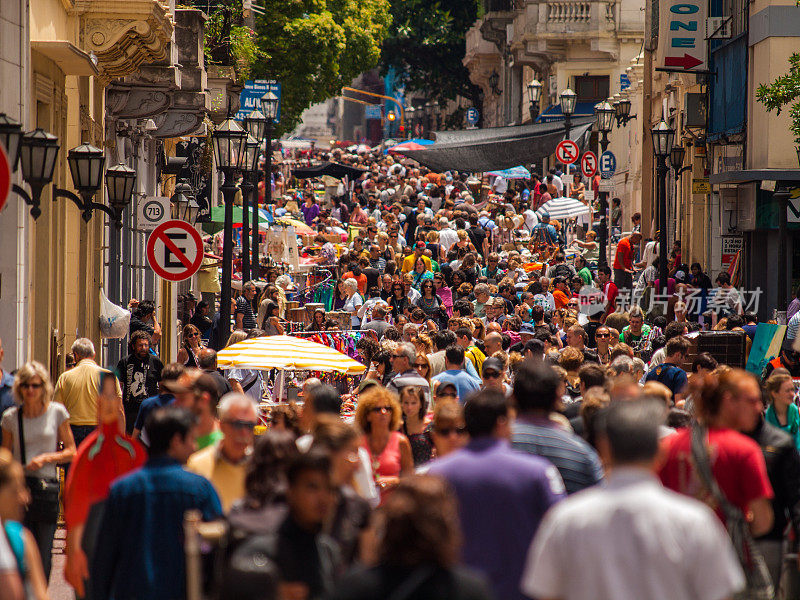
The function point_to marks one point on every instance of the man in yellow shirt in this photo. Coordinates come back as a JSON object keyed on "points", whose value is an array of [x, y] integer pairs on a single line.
{"points": [[411, 260], [224, 463], [77, 390]]}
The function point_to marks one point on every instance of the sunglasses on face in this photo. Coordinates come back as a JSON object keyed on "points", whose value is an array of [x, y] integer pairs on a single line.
{"points": [[239, 424], [193, 335], [491, 375], [381, 409], [29, 385], [445, 431], [602, 335]]}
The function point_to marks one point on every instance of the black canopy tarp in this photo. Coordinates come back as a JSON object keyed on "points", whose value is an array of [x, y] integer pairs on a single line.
{"points": [[329, 168], [496, 148]]}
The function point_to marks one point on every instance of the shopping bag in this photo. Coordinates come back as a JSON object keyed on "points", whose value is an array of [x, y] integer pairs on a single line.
{"points": [[114, 320]]}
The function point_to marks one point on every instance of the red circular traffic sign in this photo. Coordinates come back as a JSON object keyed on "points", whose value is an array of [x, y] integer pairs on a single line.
{"points": [[175, 250], [5, 177], [589, 164], [567, 152]]}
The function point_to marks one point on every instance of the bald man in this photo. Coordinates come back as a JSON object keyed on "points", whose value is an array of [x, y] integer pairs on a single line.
{"points": [[493, 342]]}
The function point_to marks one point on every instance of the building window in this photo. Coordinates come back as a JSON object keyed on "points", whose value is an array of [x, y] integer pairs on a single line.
{"points": [[592, 88]]}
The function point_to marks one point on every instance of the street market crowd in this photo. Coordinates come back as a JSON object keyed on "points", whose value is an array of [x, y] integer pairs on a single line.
{"points": [[530, 423]]}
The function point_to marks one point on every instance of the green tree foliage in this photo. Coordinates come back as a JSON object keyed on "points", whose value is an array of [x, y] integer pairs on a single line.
{"points": [[228, 42], [784, 90], [426, 44], [315, 47]]}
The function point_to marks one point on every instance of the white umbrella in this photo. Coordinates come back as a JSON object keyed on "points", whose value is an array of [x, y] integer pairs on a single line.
{"points": [[563, 208]]}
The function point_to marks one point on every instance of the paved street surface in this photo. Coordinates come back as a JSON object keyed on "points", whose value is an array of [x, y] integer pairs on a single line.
{"points": [[59, 589]]}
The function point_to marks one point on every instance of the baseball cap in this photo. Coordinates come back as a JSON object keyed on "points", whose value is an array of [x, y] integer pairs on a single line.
{"points": [[440, 389], [420, 245], [493, 365], [527, 328]]}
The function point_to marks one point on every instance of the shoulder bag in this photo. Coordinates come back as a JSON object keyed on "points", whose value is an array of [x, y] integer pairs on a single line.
{"points": [[759, 584], [44, 506]]}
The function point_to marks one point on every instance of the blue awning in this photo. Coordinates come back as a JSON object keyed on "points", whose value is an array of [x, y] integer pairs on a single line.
{"points": [[553, 113]]}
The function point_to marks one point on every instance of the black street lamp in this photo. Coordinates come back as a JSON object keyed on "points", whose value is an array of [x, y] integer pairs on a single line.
{"points": [[250, 171], [622, 112], [269, 108], [38, 151], [186, 207], [229, 150], [663, 140], [10, 137], [534, 95], [604, 113], [568, 99], [120, 181]]}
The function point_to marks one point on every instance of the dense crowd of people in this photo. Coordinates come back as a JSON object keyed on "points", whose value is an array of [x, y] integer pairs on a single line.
{"points": [[521, 430]]}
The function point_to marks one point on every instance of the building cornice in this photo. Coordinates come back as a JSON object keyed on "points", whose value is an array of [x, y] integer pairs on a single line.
{"points": [[124, 34]]}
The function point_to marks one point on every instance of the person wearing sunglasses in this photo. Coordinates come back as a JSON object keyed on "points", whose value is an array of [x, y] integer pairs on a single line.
{"points": [[604, 342], [447, 427], [192, 344], [379, 416], [224, 463], [45, 425], [494, 376]]}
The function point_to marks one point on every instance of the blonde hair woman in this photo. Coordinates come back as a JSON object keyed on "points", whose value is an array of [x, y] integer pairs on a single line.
{"points": [[379, 416], [45, 425]]}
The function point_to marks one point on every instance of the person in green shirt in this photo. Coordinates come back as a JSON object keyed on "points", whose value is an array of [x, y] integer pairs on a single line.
{"points": [[583, 270], [637, 331], [782, 412]]}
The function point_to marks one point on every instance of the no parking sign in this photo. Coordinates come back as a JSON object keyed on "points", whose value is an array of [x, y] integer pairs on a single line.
{"points": [[175, 250]]}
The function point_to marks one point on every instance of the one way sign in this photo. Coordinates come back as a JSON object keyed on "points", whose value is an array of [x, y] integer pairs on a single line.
{"points": [[175, 250]]}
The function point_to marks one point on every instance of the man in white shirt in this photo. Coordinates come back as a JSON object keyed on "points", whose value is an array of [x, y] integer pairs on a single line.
{"points": [[447, 236], [499, 185], [632, 538]]}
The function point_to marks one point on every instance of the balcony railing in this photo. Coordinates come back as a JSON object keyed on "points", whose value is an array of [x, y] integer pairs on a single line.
{"points": [[569, 12], [581, 13]]}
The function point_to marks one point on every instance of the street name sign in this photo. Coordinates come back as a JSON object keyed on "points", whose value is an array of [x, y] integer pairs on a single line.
{"points": [[250, 97]]}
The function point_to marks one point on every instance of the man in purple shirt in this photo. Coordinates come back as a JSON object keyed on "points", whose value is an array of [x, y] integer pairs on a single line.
{"points": [[502, 494]]}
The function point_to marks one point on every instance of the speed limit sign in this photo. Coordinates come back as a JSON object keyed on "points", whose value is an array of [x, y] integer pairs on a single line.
{"points": [[151, 212]]}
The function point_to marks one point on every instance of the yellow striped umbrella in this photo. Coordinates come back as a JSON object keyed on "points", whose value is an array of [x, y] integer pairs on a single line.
{"points": [[286, 352]]}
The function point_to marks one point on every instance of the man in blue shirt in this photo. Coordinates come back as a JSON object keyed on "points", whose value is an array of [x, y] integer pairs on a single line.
{"points": [[669, 373], [169, 377], [502, 494], [536, 393], [544, 232], [454, 373], [139, 552]]}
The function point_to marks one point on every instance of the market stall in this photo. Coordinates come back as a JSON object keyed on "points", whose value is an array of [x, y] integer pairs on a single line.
{"points": [[281, 354]]}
